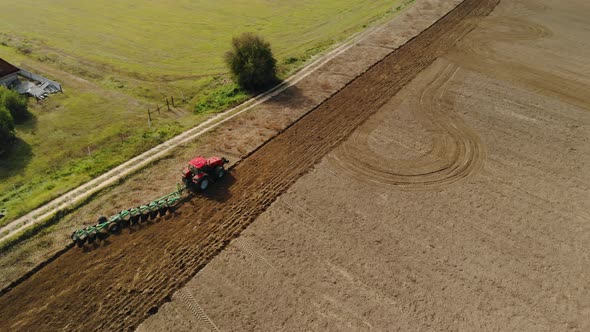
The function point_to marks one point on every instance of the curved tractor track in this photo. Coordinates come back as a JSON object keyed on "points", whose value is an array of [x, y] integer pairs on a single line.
{"points": [[117, 284], [455, 151]]}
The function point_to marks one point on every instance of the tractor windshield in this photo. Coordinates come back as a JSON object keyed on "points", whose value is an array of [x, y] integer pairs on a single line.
{"points": [[194, 170]]}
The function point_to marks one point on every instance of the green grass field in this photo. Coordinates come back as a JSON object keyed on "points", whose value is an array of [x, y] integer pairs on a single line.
{"points": [[116, 60], [181, 38]]}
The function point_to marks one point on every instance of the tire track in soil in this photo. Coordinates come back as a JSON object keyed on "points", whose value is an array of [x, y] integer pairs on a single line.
{"points": [[194, 307], [115, 287], [456, 150]]}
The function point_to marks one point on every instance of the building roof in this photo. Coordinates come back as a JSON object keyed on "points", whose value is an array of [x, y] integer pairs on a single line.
{"points": [[6, 68]]}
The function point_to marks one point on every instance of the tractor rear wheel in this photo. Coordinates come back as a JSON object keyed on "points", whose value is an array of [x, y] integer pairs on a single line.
{"points": [[145, 216], [219, 172], [134, 219], [204, 183], [102, 220]]}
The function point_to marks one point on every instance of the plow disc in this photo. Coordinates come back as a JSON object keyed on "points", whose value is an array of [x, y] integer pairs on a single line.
{"points": [[112, 225]]}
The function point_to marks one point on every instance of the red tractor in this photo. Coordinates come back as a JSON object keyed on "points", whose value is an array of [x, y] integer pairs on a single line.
{"points": [[201, 171]]}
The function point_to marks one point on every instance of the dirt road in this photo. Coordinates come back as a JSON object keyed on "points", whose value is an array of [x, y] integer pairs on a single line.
{"points": [[117, 286]]}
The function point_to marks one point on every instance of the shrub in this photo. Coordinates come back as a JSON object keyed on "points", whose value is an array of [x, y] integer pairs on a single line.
{"points": [[6, 128], [251, 62], [15, 104]]}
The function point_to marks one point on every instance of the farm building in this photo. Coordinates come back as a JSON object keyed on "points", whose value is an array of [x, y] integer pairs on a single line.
{"points": [[8, 73], [31, 84]]}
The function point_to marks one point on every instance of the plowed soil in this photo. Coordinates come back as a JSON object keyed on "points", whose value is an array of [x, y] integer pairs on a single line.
{"points": [[460, 205], [115, 287]]}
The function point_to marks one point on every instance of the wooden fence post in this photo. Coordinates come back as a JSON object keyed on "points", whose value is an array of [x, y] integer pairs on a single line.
{"points": [[149, 118], [167, 105], [172, 97]]}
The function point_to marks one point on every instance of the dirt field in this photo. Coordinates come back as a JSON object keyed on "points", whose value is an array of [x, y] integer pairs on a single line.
{"points": [[116, 286], [462, 204], [237, 137], [468, 216]]}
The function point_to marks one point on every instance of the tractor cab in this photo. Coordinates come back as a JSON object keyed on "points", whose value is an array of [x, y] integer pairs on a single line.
{"points": [[201, 171]]}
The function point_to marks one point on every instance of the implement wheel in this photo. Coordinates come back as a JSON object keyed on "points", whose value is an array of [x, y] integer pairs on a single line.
{"points": [[81, 241], [163, 211], [153, 214], [103, 235], [91, 237], [145, 216], [114, 226]]}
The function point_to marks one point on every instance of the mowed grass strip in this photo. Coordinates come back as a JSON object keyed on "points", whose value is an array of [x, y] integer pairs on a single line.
{"points": [[115, 60]]}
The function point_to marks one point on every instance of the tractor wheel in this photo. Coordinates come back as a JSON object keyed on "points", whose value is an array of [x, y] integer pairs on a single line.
{"points": [[102, 220], [125, 222], [219, 172], [145, 216], [204, 183], [134, 219]]}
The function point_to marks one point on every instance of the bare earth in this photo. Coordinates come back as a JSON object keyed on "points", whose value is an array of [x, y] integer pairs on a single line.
{"points": [[461, 204], [445, 188], [115, 286], [235, 138]]}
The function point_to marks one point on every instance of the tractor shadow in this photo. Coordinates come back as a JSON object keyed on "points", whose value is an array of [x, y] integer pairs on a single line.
{"points": [[220, 190]]}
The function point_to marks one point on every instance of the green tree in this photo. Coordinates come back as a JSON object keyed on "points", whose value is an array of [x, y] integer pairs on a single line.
{"points": [[251, 62], [15, 104], [6, 128]]}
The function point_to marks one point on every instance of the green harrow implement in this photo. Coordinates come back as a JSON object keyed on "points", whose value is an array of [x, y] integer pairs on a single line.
{"points": [[106, 226]]}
